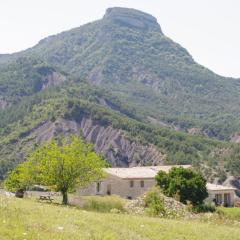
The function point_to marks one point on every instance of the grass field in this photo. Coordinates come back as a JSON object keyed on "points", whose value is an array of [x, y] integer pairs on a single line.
{"points": [[232, 213], [30, 220]]}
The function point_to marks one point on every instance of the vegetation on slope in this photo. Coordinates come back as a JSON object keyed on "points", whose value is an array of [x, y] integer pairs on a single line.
{"points": [[76, 101], [23, 76], [127, 53]]}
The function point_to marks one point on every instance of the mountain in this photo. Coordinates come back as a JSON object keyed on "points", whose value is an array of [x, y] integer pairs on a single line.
{"points": [[127, 53], [124, 86]]}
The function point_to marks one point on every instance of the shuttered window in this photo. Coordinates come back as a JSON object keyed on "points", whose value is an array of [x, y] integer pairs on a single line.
{"points": [[131, 183]]}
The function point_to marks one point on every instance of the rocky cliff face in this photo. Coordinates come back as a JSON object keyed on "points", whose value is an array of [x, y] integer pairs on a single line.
{"points": [[132, 18], [235, 138], [53, 79], [3, 104], [111, 143]]}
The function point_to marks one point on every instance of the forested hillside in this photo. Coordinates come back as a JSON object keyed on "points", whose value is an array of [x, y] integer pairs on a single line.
{"points": [[139, 97]]}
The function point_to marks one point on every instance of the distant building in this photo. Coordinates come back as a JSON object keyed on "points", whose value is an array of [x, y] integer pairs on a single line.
{"points": [[220, 195], [132, 182]]}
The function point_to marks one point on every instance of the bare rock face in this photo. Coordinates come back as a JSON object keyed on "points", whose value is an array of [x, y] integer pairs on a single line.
{"points": [[131, 18], [194, 131], [111, 143], [3, 103], [236, 138], [96, 75], [53, 79]]}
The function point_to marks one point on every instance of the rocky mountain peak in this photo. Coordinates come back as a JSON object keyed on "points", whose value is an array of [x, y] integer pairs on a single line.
{"points": [[132, 18]]}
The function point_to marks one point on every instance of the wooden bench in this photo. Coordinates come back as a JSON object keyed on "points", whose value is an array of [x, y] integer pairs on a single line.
{"points": [[45, 198]]}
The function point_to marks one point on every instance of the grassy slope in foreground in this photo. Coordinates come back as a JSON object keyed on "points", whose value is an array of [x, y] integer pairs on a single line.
{"points": [[25, 219]]}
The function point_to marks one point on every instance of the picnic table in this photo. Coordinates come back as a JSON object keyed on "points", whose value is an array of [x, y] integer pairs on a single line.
{"points": [[45, 198]]}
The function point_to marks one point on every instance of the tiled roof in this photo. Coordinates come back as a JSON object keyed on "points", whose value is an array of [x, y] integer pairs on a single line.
{"points": [[140, 172], [215, 187]]}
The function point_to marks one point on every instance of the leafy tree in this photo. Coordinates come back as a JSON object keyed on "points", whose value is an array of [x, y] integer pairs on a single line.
{"points": [[19, 178], [183, 183], [62, 164]]}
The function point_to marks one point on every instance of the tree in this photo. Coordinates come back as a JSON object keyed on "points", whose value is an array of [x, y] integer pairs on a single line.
{"points": [[19, 178], [184, 183], [61, 164]]}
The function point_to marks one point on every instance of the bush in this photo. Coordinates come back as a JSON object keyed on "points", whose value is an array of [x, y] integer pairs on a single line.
{"points": [[104, 204], [154, 202], [186, 184], [203, 208]]}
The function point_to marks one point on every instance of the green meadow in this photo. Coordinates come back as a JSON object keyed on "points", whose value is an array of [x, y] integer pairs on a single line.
{"points": [[30, 220]]}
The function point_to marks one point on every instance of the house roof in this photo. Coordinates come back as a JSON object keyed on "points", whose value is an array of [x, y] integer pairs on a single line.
{"points": [[216, 187], [140, 172]]}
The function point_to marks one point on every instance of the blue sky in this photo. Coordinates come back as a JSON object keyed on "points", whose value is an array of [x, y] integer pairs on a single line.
{"points": [[208, 29]]}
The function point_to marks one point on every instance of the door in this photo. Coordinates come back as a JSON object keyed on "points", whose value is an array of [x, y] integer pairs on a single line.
{"points": [[226, 199], [109, 189]]}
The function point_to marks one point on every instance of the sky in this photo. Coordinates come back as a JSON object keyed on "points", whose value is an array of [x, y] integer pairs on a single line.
{"points": [[208, 29]]}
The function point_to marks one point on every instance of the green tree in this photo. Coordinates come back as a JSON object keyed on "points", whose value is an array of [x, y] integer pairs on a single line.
{"points": [[61, 164], [19, 178], [183, 183]]}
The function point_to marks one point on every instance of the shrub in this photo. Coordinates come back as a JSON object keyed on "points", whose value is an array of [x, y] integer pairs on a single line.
{"points": [[203, 208], [154, 202], [186, 184], [104, 204]]}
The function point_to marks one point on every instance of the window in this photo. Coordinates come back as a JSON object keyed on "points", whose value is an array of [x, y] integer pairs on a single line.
{"points": [[131, 184], [98, 187], [142, 184]]}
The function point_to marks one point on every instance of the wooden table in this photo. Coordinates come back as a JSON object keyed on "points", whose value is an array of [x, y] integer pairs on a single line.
{"points": [[45, 198]]}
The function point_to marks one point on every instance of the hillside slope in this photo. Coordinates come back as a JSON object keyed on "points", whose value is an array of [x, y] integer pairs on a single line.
{"points": [[115, 130]]}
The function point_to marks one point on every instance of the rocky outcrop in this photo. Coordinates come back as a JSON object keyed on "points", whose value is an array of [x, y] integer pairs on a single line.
{"points": [[235, 138], [53, 79], [131, 18], [194, 131], [111, 143], [3, 103]]}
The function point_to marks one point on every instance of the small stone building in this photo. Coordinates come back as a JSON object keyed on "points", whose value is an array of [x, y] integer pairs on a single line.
{"points": [[126, 182], [220, 195]]}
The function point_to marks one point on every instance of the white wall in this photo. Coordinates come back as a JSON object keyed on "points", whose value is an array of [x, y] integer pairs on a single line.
{"points": [[119, 187]]}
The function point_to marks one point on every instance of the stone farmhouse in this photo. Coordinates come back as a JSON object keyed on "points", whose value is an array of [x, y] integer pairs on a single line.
{"points": [[132, 182]]}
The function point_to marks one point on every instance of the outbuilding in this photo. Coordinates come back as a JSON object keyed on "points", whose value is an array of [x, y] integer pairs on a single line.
{"points": [[220, 195]]}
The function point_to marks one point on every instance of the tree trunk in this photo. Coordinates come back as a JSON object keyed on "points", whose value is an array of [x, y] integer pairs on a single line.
{"points": [[65, 197], [19, 193]]}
